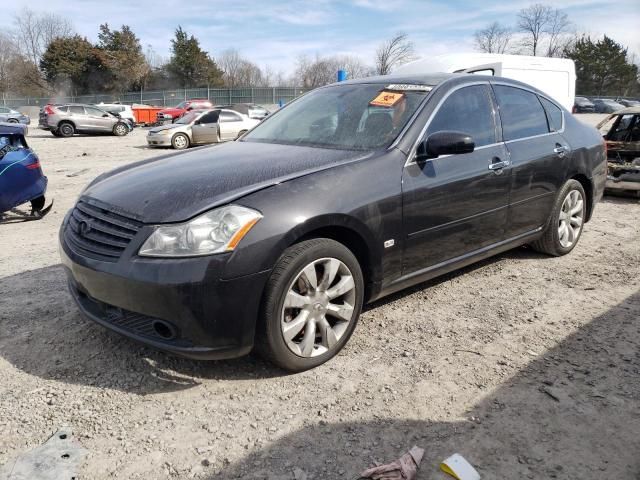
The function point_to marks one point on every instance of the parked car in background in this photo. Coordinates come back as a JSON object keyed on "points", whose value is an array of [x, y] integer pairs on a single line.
{"points": [[621, 131], [10, 115], [583, 105], [349, 193], [21, 177], [199, 127], [251, 110], [125, 112], [604, 105], [173, 113], [628, 102], [69, 119]]}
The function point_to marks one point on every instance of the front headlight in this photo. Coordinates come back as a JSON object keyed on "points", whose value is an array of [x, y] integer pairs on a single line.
{"points": [[217, 231]]}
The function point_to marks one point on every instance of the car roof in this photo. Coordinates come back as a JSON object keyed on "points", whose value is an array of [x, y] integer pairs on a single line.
{"points": [[628, 111], [12, 128]]}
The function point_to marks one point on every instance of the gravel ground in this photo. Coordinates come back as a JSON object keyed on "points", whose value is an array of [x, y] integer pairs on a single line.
{"points": [[527, 365]]}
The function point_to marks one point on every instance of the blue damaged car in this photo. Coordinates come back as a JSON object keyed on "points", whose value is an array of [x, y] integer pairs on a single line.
{"points": [[21, 177]]}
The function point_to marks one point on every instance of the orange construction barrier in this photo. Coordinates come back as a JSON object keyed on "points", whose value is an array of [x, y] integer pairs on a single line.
{"points": [[146, 115]]}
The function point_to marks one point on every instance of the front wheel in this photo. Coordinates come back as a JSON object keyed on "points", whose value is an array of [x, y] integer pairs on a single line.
{"points": [[180, 141], [311, 306], [565, 224], [120, 129]]}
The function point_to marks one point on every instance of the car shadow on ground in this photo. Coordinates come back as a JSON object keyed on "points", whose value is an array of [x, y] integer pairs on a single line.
{"points": [[43, 334], [573, 412]]}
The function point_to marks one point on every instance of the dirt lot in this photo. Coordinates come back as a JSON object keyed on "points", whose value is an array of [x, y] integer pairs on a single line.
{"points": [[527, 365]]}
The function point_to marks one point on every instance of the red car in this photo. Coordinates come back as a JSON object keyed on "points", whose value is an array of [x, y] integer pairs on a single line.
{"points": [[172, 113]]}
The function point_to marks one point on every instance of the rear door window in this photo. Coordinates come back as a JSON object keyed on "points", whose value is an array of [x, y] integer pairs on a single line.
{"points": [[229, 117], [76, 110], [554, 113], [468, 110], [521, 113]]}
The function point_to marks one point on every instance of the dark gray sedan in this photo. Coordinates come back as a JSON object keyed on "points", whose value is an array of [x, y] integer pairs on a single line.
{"points": [[347, 194]]}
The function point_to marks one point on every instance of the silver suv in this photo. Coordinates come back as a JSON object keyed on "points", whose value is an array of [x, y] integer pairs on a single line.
{"points": [[65, 120]]}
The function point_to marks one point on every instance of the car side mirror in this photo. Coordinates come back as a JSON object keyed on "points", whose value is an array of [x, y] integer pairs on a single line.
{"points": [[446, 142]]}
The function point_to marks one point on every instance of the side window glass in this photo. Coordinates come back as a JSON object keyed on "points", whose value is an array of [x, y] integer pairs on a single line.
{"points": [[521, 113], [468, 110], [96, 112], [554, 113], [62, 109], [76, 110]]}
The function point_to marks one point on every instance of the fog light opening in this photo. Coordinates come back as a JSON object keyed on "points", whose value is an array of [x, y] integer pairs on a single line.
{"points": [[164, 330]]}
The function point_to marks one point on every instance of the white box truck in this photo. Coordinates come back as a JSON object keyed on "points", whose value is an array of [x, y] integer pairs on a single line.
{"points": [[554, 76]]}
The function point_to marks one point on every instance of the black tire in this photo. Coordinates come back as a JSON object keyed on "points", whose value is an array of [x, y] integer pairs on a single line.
{"points": [[120, 129], [549, 242], [270, 342], [66, 129], [12, 120], [178, 144], [56, 133], [242, 132]]}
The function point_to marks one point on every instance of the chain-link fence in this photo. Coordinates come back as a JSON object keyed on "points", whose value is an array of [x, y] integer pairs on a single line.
{"points": [[169, 98]]}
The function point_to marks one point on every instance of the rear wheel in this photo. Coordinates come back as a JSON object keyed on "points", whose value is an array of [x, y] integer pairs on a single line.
{"points": [[56, 133], [120, 129], [180, 141], [66, 129], [311, 305], [567, 219], [242, 132], [12, 120]]}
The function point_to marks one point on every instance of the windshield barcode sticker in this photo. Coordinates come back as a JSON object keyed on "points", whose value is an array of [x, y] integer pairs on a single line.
{"points": [[407, 87]]}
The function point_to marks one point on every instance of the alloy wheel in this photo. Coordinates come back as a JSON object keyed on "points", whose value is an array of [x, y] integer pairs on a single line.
{"points": [[318, 307], [121, 129], [571, 218]]}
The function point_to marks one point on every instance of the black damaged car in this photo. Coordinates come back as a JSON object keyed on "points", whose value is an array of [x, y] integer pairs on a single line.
{"points": [[351, 192]]}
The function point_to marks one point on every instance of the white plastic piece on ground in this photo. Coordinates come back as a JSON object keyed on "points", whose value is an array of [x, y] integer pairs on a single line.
{"points": [[458, 467], [57, 458]]}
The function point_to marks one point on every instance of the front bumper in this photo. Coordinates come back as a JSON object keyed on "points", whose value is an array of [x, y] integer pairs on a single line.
{"points": [[159, 140], [182, 306]]}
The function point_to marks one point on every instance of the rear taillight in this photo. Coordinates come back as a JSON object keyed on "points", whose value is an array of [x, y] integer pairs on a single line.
{"points": [[49, 110], [34, 166], [574, 109]]}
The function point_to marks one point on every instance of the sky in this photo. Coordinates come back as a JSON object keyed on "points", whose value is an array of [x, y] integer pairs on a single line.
{"points": [[276, 32]]}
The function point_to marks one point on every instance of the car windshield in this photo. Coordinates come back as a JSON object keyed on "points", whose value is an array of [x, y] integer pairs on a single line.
{"points": [[188, 118], [356, 116], [182, 105]]}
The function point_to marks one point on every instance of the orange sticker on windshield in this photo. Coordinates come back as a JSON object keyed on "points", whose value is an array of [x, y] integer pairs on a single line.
{"points": [[386, 99]]}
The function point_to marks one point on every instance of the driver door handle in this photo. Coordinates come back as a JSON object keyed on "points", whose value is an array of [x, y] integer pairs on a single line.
{"points": [[560, 150], [497, 164]]}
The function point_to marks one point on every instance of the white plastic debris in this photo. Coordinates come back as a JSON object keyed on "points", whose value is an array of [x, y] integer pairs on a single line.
{"points": [[458, 467]]}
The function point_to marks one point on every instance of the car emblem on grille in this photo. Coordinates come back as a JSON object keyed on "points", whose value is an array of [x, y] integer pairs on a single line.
{"points": [[83, 229]]}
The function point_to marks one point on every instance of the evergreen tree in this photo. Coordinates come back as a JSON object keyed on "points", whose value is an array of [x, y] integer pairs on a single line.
{"points": [[121, 51], [190, 65], [602, 67]]}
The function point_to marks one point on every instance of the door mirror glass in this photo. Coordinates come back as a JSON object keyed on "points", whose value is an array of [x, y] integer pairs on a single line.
{"points": [[445, 143]]}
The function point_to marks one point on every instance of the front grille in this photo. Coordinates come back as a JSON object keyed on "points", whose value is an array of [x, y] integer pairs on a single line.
{"points": [[98, 232]]}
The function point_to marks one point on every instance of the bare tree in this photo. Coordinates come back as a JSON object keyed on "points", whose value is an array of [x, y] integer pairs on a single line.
{"points": [[354, 66], [8, 53], [493, 39], [533, 21], [393, 52], [558, 29], [34, 32], [238, 71]]}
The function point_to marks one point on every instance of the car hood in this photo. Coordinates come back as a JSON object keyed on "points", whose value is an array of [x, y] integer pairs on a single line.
{"points": [[177, 187], [170, 126]]}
